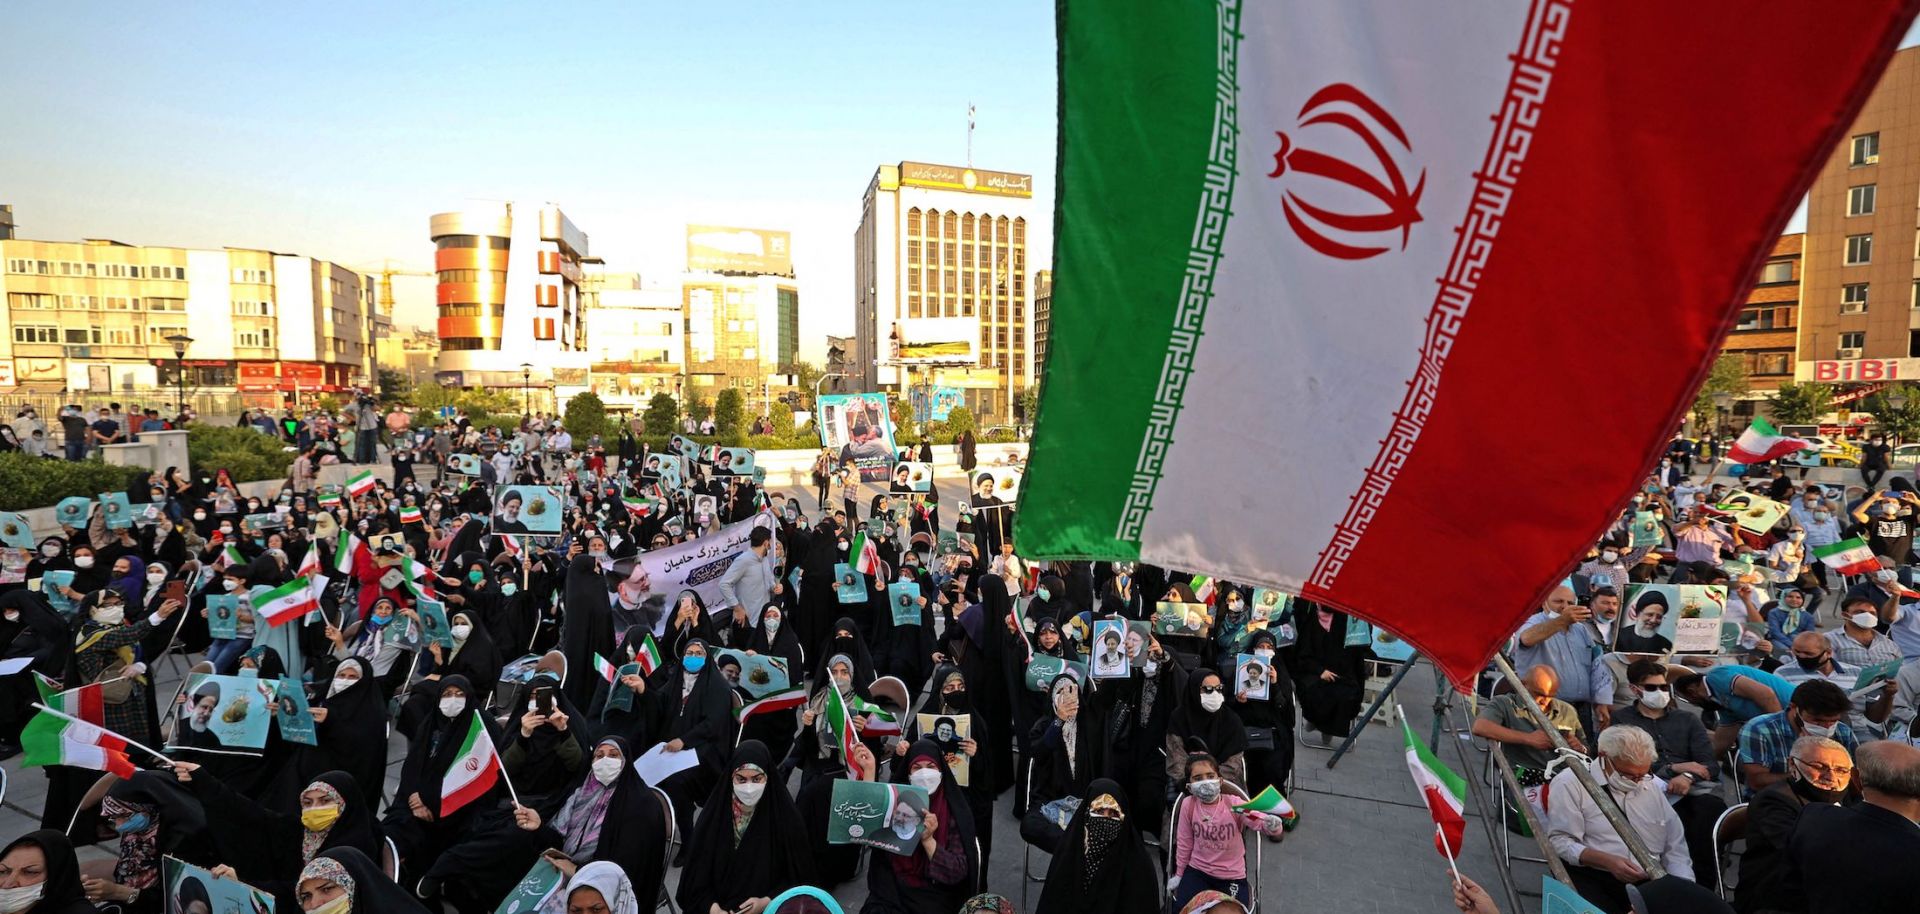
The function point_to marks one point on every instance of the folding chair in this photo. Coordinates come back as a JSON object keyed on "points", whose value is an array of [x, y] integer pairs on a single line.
{"points": [[672, 847], [1730, 827], [1028, 877], [390, 860]]}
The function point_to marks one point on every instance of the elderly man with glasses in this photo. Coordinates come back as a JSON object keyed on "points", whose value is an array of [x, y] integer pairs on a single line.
{"points": [[1597, 858]]}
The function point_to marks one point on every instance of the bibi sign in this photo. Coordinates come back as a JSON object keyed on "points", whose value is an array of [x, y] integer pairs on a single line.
{"points": [[1838, 371]]}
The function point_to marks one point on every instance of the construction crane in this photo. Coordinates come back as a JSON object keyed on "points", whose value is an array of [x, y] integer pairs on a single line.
{"points": [[387, 272]]}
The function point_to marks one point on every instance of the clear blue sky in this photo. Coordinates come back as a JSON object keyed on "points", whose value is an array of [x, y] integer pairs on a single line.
{"points": [[337, 130]]}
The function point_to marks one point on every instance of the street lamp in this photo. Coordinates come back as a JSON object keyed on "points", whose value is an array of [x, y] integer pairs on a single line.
{"points": [[1723, 404], [180, 343], [1896, 403], [526, 396]]}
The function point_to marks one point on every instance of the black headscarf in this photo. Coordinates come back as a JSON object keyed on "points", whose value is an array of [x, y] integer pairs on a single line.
{"points": [[541, 775], [1114, 875], [372, 892], [63, 893], [784, 643], [353, 738], [1222, 731], [633, 835], [437, 742], [766, 861], [588, 626], [39, 633], [850, 644], [885, 887], [703, 720], [475, 658]]}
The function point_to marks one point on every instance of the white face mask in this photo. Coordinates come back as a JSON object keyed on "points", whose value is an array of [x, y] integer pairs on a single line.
{"points": [[1263, 654], [199, 515], [749, 794], [606, 769], [110, 615], [1864, 620], [1212, 701], [157, 579], [1622, 783], [339, 685], [391, 580], [340, 905], [49, 551], [1206, 791], [1609, 557], [1656, 700], [22, 898], [451, 707], [460, 632], [1812, 729], [226, 530], [84, 561], [13, 615], [927, 779], [773, 623]]}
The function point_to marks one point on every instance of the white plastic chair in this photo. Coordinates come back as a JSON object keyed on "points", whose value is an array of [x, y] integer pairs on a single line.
{"points": [[1255, 840]]}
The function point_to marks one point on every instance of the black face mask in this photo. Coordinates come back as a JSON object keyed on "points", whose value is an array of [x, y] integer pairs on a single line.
{"points": [[1808, 792], [1810, 664], [956, 700]]}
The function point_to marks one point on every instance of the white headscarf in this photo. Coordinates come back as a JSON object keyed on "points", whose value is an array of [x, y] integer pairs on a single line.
{"points": [[610, 881]]}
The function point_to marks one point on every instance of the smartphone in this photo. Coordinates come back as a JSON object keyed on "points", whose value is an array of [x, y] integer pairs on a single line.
{"points": [[543, 701], [175, 590]]}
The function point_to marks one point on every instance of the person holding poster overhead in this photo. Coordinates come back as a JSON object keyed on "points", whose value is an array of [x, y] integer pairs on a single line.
{"points": [[742, 848], [942, 870]]}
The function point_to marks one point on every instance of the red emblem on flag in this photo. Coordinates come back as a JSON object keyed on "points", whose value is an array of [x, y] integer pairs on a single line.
{"points": [[473, 764], [1326, 196]]}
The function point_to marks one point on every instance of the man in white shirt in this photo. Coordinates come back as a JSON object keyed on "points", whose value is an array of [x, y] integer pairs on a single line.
{"points": [[1597, 859]]}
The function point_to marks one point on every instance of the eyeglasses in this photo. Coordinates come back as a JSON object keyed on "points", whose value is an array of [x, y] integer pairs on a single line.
{"points": [[1822, 768], [1211, 690], [1655, 687]]}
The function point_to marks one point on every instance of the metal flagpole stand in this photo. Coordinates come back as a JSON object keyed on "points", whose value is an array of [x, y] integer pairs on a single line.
{"points": [[1440, 702]]}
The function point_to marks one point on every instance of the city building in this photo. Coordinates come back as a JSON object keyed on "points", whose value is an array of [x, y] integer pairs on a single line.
{"points": [[414, 353], [1764, 335], [1859, 308], [103, 317], [6, 221], [1042, 324], [509, 296], [740, 302], [635, 340], [840, 354], [944, 241]]}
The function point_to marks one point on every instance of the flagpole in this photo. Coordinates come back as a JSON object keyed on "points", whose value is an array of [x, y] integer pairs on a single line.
{"points": [[168, 762], [1448, 848]]}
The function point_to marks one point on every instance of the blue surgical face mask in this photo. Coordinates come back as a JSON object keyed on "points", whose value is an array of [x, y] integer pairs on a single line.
{"points": [[694, 663], [1043, 594], [136, 822], [509, 589]]}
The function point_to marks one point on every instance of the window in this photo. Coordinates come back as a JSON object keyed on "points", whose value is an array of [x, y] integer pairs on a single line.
{"points": [[158, 335], [253, 308], [1855, 340], [120, 336], [39, 301], [1772, 363], [1866, 149], [1859, 250], [19, 265], [263, 277], [81, 337], [749, 353], [1860, 200], [1777, 271], [1853, 298], [166, 304], [23, 334]]}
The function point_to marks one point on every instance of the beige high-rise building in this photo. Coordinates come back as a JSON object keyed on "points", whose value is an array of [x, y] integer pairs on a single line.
{"points": [[102, 317]]}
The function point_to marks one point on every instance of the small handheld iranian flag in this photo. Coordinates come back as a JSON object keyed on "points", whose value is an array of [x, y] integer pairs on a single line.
{"points": [[346, 550], [360, 483], [329, 499], [287, 602], [647, 655], [229, 557], [410, 515], [842, 722], [67, 731], [1270, 802], [866, 557], [1444, 791], [1203, 589], [880, 722], [511, 544], [1850, 556], [639, 507], [474, 770], [778, 701], [605, 667], [1762, 442]]}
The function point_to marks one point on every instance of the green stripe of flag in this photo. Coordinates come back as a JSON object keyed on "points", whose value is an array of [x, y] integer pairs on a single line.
{"points": [[1137, 111]]}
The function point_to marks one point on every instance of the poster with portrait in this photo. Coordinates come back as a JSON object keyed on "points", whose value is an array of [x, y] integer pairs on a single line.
{"points": [[192, 890], [903, 598], [226, 712], [912, 476], [877, 814], [993, 488], [434, 627], [535, 891], [464, 464], [1753, 512], [13, 565], [53, 586], [1175, 618], [290, 711], [223, 615], [1044, 668], [73, 512], [1388, 646], [117, 510], [760, 674], [1139, 640], [1359, 633], [732, 461], [528, 510], [1645, 530], [1670, 618], [15, 531], [704, 508], [685, 447], [850, 586], [1252, 676], [947, 731], [1108, 649], [672, 471], [858, 427]]}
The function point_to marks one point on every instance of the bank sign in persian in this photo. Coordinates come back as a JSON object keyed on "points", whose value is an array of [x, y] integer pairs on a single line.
{"points": [[1331, 278]]}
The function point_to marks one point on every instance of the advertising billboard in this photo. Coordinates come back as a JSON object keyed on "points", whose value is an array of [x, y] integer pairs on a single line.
{"points": [[729, 249], [937, 341], [858, 427]]}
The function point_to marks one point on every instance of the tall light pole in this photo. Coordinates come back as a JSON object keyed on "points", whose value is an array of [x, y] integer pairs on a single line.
{"points": [[1723, 405], [180, 343], [526, 395], [1896, 403]]}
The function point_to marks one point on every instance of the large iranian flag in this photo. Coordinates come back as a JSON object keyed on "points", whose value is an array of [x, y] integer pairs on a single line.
{"points": [[1761, 441], [1318, 264]]}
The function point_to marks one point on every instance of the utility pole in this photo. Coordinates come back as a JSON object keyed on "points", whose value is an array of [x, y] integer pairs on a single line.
{"points": [[969, 134]]}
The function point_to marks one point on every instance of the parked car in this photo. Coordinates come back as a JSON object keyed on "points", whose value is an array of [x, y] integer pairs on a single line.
{"points": [[1906, 456]]}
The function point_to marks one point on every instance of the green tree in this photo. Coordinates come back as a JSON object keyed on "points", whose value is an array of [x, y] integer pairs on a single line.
{"points": [[1029, 405], [393, 385], [1901, 424], [698, 407], [662, 412], [904, 428], [1800, 404], [960, 421], [730, 411], [805, 376], [586, 416], [1729, 375], [781, 415]]}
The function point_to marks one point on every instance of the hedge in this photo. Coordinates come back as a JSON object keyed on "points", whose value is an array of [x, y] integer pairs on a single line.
{"points": [[41, 482], [247, 455]]}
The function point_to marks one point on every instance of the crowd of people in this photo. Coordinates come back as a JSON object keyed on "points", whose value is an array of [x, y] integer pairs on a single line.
{"points": [[546, 634]]}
